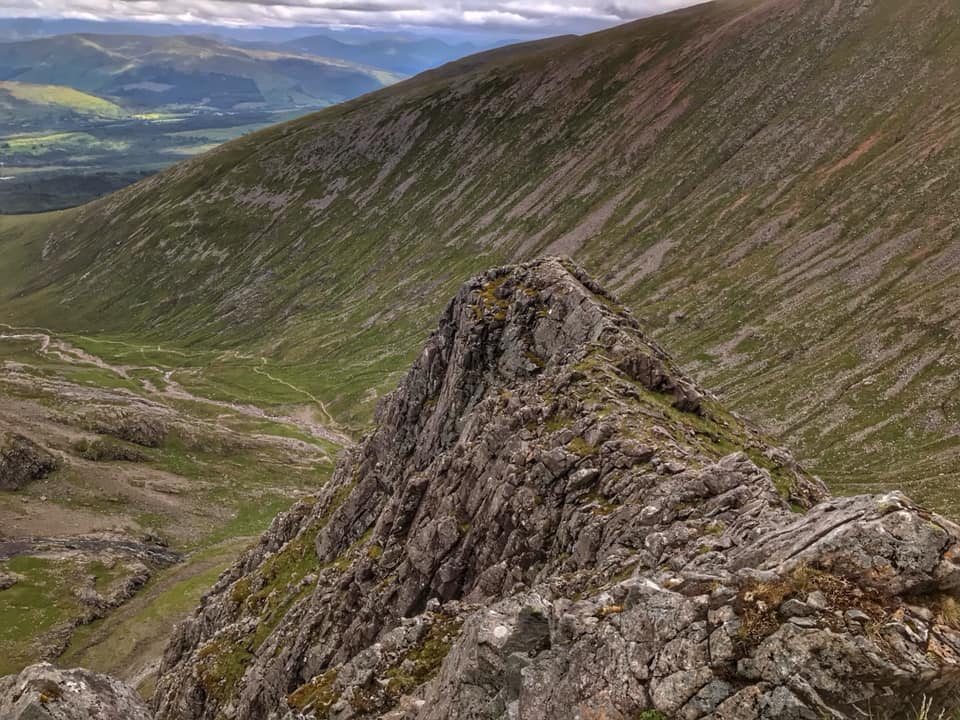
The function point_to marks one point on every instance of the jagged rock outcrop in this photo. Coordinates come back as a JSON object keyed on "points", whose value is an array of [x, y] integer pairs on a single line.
{"points": [[550, 521], [22, 461], [135, 427], [42, 692]]}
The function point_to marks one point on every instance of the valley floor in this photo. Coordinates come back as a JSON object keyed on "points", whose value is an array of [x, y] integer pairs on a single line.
{"points": [[165, 474], [56, 168]]}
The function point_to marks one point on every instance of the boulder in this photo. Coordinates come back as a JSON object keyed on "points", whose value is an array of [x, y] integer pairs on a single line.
{"points": [[23, 461], [133, 426], [43, 692]]}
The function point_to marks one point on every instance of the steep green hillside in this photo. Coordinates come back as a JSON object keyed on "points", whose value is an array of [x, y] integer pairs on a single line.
{"points": [[772, 184]]}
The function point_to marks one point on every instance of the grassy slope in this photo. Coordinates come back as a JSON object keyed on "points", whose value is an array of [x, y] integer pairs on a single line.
{"points": [[219, 476], [772, 185], [50, 98]]}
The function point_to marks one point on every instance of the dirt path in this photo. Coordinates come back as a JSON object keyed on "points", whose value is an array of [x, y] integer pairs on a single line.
{"points": [[44, 339], [176, 391], [48, 345], [313, 398]]}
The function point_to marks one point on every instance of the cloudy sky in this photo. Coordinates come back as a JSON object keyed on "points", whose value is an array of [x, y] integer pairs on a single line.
{"points": [[523, 16]]}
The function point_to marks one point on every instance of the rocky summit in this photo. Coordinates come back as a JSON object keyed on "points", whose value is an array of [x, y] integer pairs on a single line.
{"points": [[551, 521]]}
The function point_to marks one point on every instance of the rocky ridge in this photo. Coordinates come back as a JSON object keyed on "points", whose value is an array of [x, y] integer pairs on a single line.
{"points": [[551, 521]]}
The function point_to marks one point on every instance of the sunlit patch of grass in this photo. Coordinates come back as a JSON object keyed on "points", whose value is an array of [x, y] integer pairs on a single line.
{"points": [[64, 97]]}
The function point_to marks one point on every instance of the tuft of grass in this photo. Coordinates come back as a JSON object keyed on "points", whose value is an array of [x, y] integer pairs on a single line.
{"points": [[316, 696], [422, 663], [759, 605], [579, 446]]}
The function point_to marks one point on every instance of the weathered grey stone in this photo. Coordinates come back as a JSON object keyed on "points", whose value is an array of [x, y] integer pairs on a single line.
{"points": [[22, 461], [817, 600], [856, 615], [8, 580], [136, 427], [42, 692], [795, 608]]}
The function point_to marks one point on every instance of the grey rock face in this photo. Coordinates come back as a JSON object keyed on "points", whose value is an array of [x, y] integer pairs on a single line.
{"points": [[22, 461], [552, 522], [42, 692], [134, 427]]}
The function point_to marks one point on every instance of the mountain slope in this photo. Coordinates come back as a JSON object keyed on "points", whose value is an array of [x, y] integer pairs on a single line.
{"points": [[551, 522], [771, 183], [151, 72]]}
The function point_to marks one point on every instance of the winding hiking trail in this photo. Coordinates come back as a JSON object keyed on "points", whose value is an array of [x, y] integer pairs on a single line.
{"points": [[313, 398], [175, 390], [49, 344]]}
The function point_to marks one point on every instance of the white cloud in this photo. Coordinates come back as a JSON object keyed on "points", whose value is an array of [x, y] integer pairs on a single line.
{"points": [[530, 15]]}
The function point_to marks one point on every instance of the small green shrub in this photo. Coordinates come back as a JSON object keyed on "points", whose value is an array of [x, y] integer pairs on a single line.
{"points": [[651, 715]]}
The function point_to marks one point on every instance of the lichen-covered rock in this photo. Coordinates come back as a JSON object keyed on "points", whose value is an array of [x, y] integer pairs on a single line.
{"points": [[551, 522], [133, 426], [42, 692], [22, 461]]}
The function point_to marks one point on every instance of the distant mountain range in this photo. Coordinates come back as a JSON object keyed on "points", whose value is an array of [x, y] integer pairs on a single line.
{"points": [[399, 54], [33, 28], [147, 73], [133, 98], [404, 52]]}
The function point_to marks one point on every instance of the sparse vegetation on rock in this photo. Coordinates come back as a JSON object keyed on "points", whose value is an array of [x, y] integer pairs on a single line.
{"points": [[108, 450]]}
